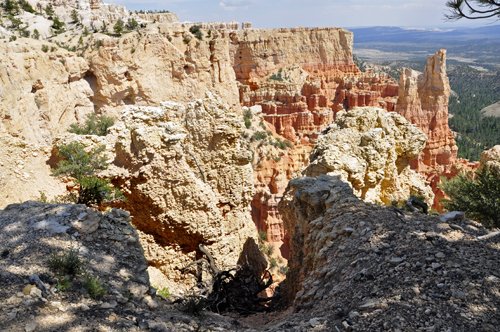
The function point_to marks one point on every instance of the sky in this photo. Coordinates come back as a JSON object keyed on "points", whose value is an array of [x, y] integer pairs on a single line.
{"points": [[310, 13]]}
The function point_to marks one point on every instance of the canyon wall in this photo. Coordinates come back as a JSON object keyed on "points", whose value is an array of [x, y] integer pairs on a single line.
{"points": [[44, 92], [300, 90], [41, 93]]}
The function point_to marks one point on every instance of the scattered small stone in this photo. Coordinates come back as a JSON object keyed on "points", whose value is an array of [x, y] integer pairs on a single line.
{"points": [[459, 295], [109, 305], [314, 322], [455, 215], [396, 261], [30, 327], [346, 326]]}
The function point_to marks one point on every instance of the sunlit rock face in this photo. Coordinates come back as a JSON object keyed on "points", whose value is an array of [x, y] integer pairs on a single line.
{"points": [[371, 149]]}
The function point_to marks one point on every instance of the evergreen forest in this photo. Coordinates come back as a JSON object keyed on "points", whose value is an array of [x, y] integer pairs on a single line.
{"points": [[474, 90]]}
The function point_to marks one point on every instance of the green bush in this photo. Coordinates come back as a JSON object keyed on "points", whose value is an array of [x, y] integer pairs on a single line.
{"points": [[49, 10], [45, 48], [94, 125], [283, 269], [67, 262], [478, 195], [273, 262], [57, 25], [62, 283], [118, 28], [259, 135], [74, 16], [186, 40], [269, 250], [94, 286], [262, 236], [248, 123], [165, 292], [199, 35], [132, 24], [194, 29], [82, 167]]}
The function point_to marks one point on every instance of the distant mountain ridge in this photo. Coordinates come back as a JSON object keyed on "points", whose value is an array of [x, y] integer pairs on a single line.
{"points": [[409, 35]]}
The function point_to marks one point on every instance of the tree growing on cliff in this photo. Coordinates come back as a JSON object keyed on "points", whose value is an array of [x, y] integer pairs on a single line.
{"points": [[49, 10], [477, 194], [82, 167], [472, 9], [94, 125], [11, 7], [74, 16], [118, 28], [132, 24]]}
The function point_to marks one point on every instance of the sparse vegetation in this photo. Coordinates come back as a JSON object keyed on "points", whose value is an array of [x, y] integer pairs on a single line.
{"points": [[49, 10], [164, 292], [57, 26], [36, 34], [67, 262], [132, 24], [94, 125], [74, 16], [118, 27], [277, 76], [45, 48], [478, 195], [95, 288], [82, 167], [259, 135], [194, 29], [186, 40], [62, 283], [262, 236]]}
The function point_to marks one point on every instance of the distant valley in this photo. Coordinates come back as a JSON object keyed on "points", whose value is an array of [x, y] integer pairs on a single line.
{"points": [[477, 47], [473, 63]]}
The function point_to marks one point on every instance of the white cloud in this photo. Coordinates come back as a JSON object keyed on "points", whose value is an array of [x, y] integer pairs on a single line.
{"points": [[236, 4]]}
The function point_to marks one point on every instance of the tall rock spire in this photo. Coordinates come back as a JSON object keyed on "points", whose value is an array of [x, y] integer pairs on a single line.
{"points": [[423, 100]]}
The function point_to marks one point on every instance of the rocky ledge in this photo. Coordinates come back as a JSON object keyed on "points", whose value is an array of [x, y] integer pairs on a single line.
{"points": [[355, 266]]}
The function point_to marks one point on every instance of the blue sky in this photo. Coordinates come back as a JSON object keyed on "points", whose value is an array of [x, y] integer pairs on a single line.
{"points": [[309, 13]]}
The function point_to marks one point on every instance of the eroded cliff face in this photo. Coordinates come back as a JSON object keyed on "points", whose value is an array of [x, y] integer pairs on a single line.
{"points": [[44, 92], [150, 69], [371, 149], [41, 93], [186, 180]]}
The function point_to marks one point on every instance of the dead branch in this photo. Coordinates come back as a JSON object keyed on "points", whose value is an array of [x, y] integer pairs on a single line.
{"points": [[232, 290], [415, 201]]}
